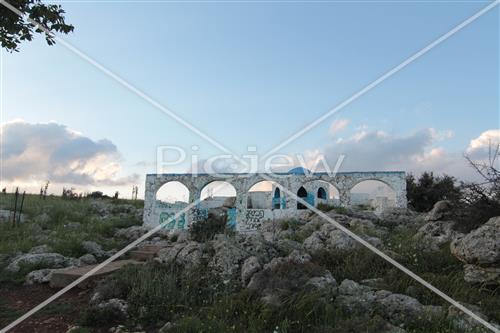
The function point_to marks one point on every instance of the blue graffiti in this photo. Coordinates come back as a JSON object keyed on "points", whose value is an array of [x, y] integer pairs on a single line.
{"points": [[168, 221], [231, 218]]}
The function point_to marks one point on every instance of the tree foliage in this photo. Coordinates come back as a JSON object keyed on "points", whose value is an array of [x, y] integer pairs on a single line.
{"points": [[480, 200], [424, 192], [15, 29]]}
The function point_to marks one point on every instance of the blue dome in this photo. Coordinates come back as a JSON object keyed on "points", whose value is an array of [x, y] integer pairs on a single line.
{"points": [[299, 171]]}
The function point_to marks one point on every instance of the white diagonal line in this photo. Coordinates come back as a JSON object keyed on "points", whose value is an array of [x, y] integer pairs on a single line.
{"points": [[383, 77], [389, 259], [120, 80], [101, 265]]}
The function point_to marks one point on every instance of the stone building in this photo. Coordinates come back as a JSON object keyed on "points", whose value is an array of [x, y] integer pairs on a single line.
{"points": [[249, 209]]}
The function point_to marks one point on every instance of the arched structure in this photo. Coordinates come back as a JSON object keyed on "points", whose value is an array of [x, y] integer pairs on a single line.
{"points": [[284, 190]]}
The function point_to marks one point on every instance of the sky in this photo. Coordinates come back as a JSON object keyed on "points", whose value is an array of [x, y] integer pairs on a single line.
{"points": [[249, 74]]}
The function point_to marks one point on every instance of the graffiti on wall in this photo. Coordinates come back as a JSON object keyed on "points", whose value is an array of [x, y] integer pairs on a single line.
{"points": [[198, 214], [171, 222], [231, 218]]}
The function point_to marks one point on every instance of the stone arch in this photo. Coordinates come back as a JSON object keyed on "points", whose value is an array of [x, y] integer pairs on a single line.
{"points": [[321, 193], [302, 194], [264, 194], [172, 191], [217, 188], [374, 193]]}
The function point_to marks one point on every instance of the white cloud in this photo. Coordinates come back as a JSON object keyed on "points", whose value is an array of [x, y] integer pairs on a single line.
{"points": [[338, 125], [50, 151], [480, 146], [417, 152]]}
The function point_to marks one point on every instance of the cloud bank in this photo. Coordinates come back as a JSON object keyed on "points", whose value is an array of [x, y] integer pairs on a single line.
{"points": [[51, 151]]}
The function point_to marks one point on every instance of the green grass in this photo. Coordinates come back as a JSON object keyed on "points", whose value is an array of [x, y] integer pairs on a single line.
{"points": [[69, 223]]}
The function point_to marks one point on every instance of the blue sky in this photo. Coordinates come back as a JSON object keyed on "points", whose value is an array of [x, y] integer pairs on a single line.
{"points": [[255, 73]]}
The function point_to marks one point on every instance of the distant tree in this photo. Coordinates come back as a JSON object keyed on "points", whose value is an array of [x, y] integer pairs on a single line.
{"points": [[15, 29], [480, 200], [96, 195], [424, 192]]}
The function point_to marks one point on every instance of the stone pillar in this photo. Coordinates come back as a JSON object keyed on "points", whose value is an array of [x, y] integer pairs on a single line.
{"points": [[345, 197]]}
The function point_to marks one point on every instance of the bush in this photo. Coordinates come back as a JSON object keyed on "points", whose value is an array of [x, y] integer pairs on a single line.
{"points": [[424, 192], [205, 230]]}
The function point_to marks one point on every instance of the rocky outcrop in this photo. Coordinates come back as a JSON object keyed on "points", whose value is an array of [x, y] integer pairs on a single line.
{"points": [[480, 251], [285, 275], [432, 235], [40, 260], [329, 238], [481, 246], [188, 254], [392, 217], [442, 210], [249, 268], [396, 308], [132, 233]]}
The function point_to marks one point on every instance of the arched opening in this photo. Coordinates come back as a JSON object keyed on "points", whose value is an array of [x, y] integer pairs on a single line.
{"points": [[217, 194], [172, 194], [372, 194], [265, 195], [321, 193], [302, 194]]}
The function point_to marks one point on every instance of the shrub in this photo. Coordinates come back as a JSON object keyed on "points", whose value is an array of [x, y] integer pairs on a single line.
{"points": [[205, 230], [424, 192]]}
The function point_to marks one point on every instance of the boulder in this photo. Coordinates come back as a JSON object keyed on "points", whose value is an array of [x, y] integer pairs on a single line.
{"points": [[87, 259], [285, 275], [481, 246], [228, 256], [94, 249], [41, 249], [249, 268], [442, 210], [394, 216], [115, 307], [463, 322], [431, 236], [39, 276], [131, 233], [483, 275], [397, 309], [321, 283], [40, 260], [187, 254]]}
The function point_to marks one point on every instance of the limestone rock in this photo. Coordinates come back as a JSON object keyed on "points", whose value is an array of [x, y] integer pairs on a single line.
{"points": [[392, 217], [249, 268], [117, 307], [463, 322], [131, 233], [94, 249], [478, 274], [324, 282], [41, 249], [87, 259], [431, 236], [187, 254], [40, 260], [440, 211], [481, 246]]}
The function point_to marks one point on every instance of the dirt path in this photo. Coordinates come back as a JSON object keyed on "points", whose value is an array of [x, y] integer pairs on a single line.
{"points": [[54, 318]]}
